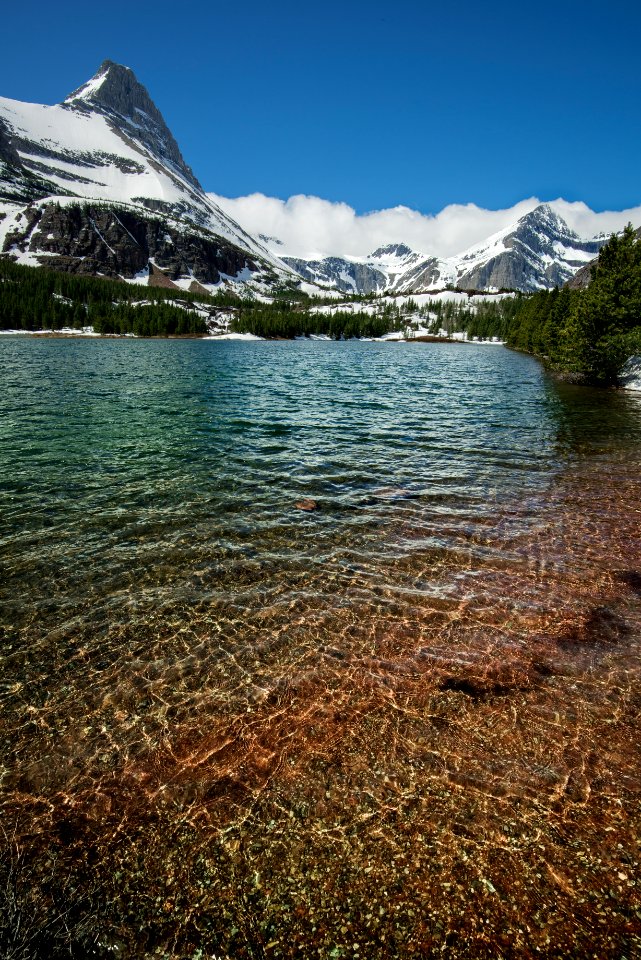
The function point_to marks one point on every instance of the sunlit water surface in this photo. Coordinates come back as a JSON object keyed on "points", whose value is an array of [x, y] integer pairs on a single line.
{"points": [[399, 690]]}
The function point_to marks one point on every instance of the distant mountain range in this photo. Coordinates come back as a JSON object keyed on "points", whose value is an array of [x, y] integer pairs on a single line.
{"points": [[538, 251], [98, 185]]}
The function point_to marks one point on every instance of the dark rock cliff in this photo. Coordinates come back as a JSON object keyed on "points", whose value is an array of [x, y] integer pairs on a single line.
{"points": [[96, 239], [344, 275], [8, 153]]}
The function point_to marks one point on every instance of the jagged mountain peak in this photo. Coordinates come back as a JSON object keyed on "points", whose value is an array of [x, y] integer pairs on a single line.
{"points": [[543, 228], [116, 92], [116, 87], [89, 89], [544, 216], [544, 212], [108, 146], [540, 250], [391, 250]]}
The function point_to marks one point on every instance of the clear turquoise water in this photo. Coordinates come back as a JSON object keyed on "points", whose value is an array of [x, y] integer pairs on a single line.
{"points": [[135, 471]]}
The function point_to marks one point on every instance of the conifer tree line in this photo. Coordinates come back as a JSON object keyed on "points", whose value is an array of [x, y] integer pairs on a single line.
{"points": [[287, 320], [34, 298], [588, 333]]}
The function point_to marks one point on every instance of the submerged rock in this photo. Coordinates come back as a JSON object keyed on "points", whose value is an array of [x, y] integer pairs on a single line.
{"points": [[307, 504], [393, 493]]}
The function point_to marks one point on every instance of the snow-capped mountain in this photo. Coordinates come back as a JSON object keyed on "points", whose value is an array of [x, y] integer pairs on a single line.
{"points": [[97, 184], [391, 267], [107, 144], [538, 251], [383, 270]]}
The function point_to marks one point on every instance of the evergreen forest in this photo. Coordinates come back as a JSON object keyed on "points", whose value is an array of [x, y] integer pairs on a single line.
{"points": [[588, 333]]}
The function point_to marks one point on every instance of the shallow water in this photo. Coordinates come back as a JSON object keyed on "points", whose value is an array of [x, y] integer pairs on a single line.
{"points": [[456, 624]]}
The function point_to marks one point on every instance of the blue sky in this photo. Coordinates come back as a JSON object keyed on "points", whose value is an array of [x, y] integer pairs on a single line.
{"points": [[374, 104]]}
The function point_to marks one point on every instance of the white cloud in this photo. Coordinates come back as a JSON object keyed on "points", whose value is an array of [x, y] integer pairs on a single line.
{"points": [[313, 228], [587, 223]]}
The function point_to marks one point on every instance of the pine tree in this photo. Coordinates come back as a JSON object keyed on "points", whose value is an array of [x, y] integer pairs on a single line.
{"points": [[604, 327]]}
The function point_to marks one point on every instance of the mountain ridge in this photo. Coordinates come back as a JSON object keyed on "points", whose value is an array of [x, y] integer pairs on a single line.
{"points": [[118, 94], [536, 252], [107, 144]]}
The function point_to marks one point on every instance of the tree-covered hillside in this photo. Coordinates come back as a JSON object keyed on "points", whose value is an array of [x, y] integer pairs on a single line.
{"points": [[591, 332], [33, 298]]}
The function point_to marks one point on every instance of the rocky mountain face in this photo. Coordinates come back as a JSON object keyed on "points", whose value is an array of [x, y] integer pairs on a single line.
{"points": [[393, 267], [582, 277], [117, 95], [17, 184], [98, 184], [408, 271], [9, 156], [90, 239], [427, 274], [539, 251], [339, 274]]}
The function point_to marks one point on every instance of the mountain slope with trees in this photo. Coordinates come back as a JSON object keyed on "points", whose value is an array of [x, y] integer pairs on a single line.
{"points": [[588, 333]]}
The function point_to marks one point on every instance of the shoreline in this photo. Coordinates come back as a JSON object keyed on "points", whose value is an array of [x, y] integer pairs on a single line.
{"points": [[76, 334]]}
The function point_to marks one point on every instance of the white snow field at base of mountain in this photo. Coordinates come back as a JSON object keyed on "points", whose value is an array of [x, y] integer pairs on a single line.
{"points": [[422, 300]]}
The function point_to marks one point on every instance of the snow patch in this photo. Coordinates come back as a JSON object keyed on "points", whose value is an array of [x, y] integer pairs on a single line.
{"points": [[233, 336]]}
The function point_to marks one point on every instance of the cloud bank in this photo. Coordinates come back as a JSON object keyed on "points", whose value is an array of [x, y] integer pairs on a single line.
{"points": [[314, 228]]}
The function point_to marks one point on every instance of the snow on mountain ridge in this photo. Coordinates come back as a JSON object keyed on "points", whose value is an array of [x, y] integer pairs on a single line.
{"points": [[108, 143], [115, 92], [400, 250], [85, 91], [538, 251]]}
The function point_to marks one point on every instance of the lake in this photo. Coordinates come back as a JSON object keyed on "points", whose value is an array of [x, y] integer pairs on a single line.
{"points": [[401, 722]]}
